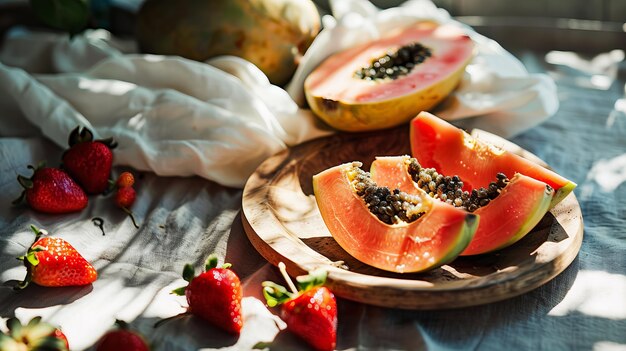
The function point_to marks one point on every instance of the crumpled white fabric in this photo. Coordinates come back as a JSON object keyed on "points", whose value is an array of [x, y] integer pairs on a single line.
{"points": [[220, 120]]}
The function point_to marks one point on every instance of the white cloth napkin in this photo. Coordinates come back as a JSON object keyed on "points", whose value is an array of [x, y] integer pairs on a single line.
{"points": [[220, 120]]}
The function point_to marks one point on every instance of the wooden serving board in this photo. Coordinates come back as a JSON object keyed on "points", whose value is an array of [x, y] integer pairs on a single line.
{"points": [[281, 219]]}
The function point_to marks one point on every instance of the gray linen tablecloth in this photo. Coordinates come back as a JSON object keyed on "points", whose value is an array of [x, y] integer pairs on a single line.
{"points": [[185, 219]]}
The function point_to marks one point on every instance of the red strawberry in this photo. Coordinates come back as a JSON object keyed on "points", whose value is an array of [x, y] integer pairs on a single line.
{"points": [[310, 312], [51, 190], [125, 197], [125, 179], [89, 162], [122, 339], [215, 295], [36, 335], [53, 261]]}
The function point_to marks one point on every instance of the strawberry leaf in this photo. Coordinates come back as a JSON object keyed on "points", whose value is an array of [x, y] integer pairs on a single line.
{"points": [[311, 280], [180, 291], [122, 324], [109, 142], [275, 294], [33, 322], [262, 345], [189, 272], [32, 258], [14, 326], [26, 183], [211, 262]]}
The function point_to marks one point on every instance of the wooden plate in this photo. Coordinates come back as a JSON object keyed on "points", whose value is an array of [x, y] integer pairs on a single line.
{"points": [[283, 223]]}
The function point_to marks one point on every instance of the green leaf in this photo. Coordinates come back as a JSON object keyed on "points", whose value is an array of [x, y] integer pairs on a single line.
{"points": [[180, 291], [15, 327], [123, 324], [26, 183], [189, 272], [262, 345], [211, 262], [227, 265], [68, 15], [275, 294], [311, 280], [33, 322], [32, 259]]}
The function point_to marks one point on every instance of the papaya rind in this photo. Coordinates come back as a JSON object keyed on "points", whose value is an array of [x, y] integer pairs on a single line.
{"points": [[468, 230], [561, 193], [541, 207], [537, 214], [366, 116]]}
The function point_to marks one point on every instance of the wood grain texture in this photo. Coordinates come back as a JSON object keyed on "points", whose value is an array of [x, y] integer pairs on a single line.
{"points": [[282, 221]]}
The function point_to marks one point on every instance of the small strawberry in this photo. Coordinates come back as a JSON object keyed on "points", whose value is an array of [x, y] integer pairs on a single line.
{"points": [[51, 190], [53, 261], [125, 179], [89, 161], [126, 195], [36, 335], [122, 339], [214, 295], [310, 312]]}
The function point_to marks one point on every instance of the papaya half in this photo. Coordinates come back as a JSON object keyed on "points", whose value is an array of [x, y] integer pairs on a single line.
{"points": [[386, 82]]}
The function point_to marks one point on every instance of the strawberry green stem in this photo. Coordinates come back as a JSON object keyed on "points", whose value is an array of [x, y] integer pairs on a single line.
{"points": [[130, 214], [283, 271], [30, 258]]}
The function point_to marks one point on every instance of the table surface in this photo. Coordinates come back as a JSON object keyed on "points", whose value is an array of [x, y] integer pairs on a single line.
{"points": [[185, 219]]}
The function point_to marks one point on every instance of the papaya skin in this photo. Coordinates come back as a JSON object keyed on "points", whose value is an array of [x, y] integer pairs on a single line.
{"points": [[272, 34]]}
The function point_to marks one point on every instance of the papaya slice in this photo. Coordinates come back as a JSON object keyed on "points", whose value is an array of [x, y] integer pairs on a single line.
{"points": [[436, 237], [438, 144], [504, 220], [386, 82]]}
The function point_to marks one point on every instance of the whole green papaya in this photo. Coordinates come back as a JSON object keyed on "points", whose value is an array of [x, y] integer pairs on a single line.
{"points": [[272, 34]]}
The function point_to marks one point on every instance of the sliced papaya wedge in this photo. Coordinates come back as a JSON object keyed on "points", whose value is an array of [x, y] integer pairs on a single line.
{"points": [[437, 237], [507, 218], [438, 144]]}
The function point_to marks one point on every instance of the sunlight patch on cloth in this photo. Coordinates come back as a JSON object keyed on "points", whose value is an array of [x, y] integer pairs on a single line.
{"points": [[609, 174], [595, 293]]}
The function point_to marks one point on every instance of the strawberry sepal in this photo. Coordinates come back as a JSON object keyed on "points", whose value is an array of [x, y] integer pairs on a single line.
{"points": [[211, 262], [188, 274], [311, 280], [26, 183], [275, 294], [179, 291], [30, 259]]}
